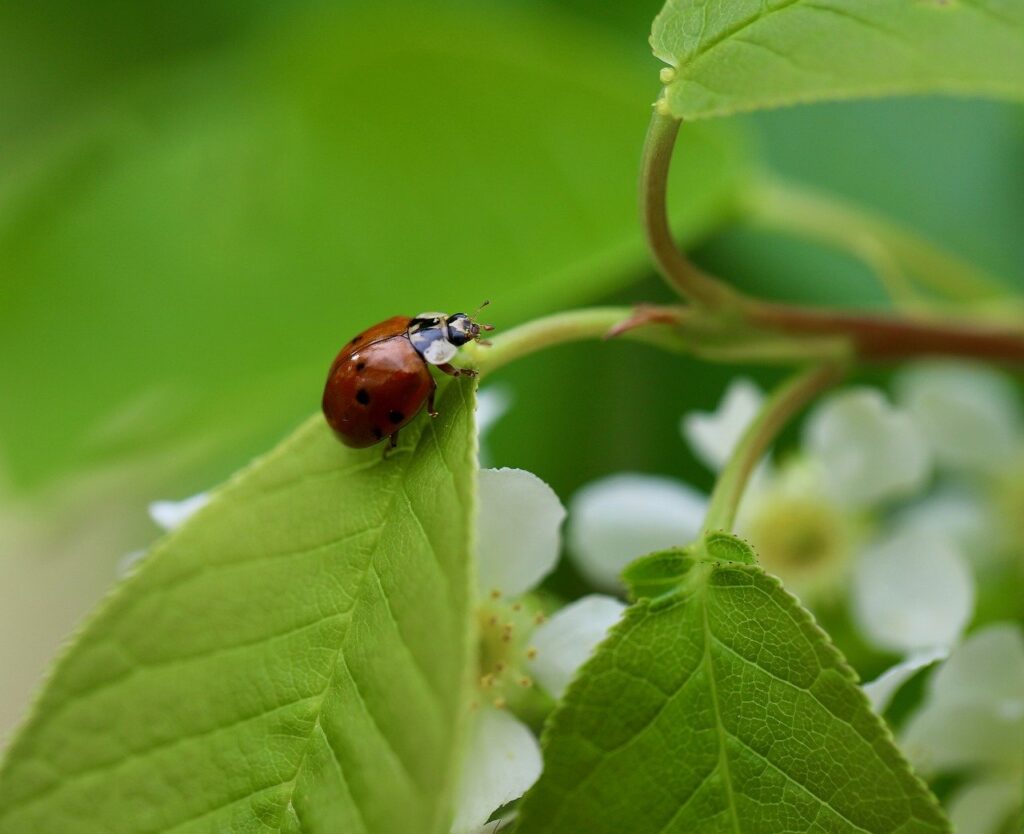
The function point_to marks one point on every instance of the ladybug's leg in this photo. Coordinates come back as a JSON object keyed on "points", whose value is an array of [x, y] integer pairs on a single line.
{"points": [[392, 442], [451, 370], [430, 402]]}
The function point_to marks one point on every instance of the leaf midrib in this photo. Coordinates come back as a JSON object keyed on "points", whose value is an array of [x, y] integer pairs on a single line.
{"points": [[723, 755]]}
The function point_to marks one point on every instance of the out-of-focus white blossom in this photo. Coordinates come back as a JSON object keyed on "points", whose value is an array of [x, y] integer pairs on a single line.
{"points": [[972, 723], [169, 515], [518, 545], [868, 451], [800, 533], [881, 690], [714, 434], [569, 637], [969, 413], [912, 592], [519, 526], [614, 520], [492, 403]]}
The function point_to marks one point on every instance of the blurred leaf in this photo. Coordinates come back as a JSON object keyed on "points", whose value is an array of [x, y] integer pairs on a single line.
{"points": [[184, 257], [751, 55], [295, 655], [755, 723]]}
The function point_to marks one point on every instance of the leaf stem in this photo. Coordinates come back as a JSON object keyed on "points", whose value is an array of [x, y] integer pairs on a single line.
{"points": [[548, 331], [682, 276], [784, 403]]}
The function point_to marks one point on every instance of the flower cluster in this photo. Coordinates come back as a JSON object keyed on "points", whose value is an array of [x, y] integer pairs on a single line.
{"points": [[896, 507]]}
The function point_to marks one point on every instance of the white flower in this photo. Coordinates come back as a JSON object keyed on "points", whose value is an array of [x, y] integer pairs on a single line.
{"points": [[956, 514], [169, 515], [616, 519], [518, 529], [800, 534], [969, 413], [714, 435], [518, 545], [868, 450], [881, 690], [492, 403], [972, 722], [503, 760], [565, 641], [912, 592]]}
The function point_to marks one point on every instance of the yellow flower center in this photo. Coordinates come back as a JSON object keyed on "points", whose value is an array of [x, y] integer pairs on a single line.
{"points": [[505, 627], [802, 540]]}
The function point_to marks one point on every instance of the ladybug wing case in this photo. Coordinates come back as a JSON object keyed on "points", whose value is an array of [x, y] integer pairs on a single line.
{"points": [[373, 391]]}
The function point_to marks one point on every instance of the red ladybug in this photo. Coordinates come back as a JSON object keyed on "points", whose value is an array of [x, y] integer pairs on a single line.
{"points": [[381, 379]]}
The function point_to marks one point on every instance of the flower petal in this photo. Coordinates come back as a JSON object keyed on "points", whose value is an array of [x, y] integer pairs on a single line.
{"points": [[974, 712], [988, 667], [502, 761], [568, 638], [869, 451], [170, 515], [984, 807], [912, 591], [969, 413], [880, 691], [518, 530], [960, 516], [492, 403], [616, 519], [714, 434]]}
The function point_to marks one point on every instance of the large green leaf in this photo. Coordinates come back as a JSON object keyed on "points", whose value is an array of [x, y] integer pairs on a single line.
{"points": [[294, 658], [720, 706], [749, 54], [196, 243]]}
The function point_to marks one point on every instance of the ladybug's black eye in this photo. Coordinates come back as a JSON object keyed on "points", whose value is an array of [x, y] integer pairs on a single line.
{"points": [[461, 329]]}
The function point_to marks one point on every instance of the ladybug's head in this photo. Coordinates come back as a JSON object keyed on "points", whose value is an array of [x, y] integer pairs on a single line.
{"points": [[463, 329]]}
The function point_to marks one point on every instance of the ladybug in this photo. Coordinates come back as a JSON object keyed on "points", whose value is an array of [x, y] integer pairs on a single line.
{"points": [[381, 378]]}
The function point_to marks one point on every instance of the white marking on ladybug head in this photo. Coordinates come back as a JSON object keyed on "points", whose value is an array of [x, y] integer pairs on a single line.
{"points": [[440, 352], [439, 317]]}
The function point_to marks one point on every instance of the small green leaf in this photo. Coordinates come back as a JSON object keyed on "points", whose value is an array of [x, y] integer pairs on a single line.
{"points": [[728, 710], [656, 575], [293, 659], [746, 55], [724, 547]]}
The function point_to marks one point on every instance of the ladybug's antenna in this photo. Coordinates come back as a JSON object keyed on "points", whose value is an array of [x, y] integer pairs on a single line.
{"points": [[487, 327]]}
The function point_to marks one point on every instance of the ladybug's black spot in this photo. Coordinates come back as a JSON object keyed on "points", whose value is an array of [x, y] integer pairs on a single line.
{"points": [[355, 339], [396, 416], [363, 396], [377, 433], [360, 366]]}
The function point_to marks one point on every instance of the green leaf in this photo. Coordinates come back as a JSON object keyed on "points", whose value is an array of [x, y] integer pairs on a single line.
{"points": [[656, 575], [723, 709], [732, 57], [352, 162], [293, 658]]}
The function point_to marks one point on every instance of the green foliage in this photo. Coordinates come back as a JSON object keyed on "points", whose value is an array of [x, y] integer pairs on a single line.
{"points": [[293, 658], [722, 708], [749, 55], [205, 236]]}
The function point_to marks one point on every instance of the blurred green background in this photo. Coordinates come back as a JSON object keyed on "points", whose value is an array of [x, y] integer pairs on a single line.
{"points": [[199, 202]]}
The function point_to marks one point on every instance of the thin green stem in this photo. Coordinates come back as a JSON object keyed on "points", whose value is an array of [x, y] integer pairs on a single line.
{"points": [[682, 276], [557, 329], [894, 253], [778, 410]]}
